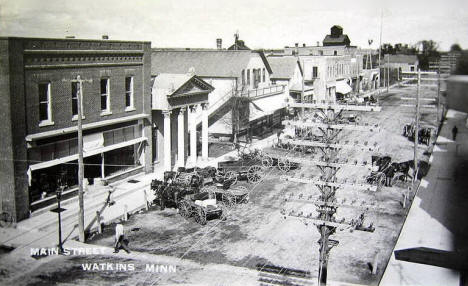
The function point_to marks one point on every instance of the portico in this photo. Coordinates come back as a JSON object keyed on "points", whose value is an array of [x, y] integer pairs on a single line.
{"points": [[176, 100]]}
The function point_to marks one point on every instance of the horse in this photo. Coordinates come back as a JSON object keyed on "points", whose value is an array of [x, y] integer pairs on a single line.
{"points": [[381, 161], [408, 130], [404, 167]]}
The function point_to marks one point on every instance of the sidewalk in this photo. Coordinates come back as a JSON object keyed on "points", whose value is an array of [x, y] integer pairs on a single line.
{"points": [[42, 230], [436, 218]]}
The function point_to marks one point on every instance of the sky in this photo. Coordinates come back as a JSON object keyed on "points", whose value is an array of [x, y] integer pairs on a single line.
{"points": [[261, 24]]}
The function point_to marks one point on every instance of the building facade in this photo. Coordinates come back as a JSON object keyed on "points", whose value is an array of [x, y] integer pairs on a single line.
{"points": [[177, 98], [241, 82], [40, 104], [404, 63]]}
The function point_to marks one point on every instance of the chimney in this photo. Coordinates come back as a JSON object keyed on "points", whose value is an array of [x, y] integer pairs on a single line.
{"points": [[219, 44], [105, 37], [304, 45], [318, 44], [296, 44]]}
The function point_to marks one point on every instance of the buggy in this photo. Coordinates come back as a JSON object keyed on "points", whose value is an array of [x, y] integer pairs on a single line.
{"points": [[228, 196], [200, 207]]}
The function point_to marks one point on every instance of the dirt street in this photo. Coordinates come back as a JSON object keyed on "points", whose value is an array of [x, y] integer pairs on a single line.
{"points": [[256, 232]]}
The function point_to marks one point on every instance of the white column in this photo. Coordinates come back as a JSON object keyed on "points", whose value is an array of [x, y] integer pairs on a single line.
{"points": [[181, 138], [205, 131], [167, 140], [193, 134]]}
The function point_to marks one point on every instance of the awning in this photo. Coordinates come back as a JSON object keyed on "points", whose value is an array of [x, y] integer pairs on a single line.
{"points": [[87, 126], [266, 106], [66, 159], [342, 87]]}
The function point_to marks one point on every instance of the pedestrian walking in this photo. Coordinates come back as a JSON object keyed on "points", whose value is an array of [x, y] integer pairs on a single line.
{"points": [[454, 132], [121, 242]]}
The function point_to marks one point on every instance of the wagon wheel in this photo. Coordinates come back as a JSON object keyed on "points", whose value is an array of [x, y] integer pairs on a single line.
{"points": [[254, 174], [244, 194], [231, 176], [267, 161], [200, 216], [284, 165], [228, 200], [184, 209]]}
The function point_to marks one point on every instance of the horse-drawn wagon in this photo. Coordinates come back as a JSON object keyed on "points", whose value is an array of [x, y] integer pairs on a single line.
{"points": [[228, 196], [249, 169], [200, 207]]}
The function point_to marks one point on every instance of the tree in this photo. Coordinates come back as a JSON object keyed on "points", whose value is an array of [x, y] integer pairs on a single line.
{"points": [[429, 47], [455, 48], [428, 51], [387, 49], [462, 64]]}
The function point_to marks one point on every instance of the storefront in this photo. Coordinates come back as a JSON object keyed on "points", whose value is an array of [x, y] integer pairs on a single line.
{"points": [[107, 154]]}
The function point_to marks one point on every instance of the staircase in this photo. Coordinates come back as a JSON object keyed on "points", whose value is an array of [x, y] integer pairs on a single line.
{"points": [[218, 109]]}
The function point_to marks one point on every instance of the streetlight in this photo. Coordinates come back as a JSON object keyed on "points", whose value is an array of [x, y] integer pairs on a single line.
{"points": [[58, 210]]}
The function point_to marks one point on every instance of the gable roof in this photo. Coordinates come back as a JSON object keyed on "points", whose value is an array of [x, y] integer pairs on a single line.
{"points": [[402, 59], [206, 63], [282, 67], [169, 84]]}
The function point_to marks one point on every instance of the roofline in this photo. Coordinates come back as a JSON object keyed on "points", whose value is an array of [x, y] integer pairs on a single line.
{"points": [[195, 50], [194, 77], [265, 61], [70, 39]]}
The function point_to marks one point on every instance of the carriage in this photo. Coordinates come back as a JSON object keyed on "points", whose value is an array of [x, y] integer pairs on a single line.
{"points": [[249, 169], [201, 207], [228, 196], [169, 195], [376, 178], [424, 133]]}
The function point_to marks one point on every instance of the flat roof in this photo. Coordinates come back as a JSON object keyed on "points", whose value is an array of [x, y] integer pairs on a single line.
{"points": [[70, 39]]}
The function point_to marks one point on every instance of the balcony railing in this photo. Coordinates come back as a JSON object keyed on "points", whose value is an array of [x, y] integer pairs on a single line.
{"points": [[262, 92]]}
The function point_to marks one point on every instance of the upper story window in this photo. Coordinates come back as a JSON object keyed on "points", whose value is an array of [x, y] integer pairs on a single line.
{"points": [[129, 93], [256, 77], [45, 104], [263, 75], [335, 53], [243, 77], [248, 77], [314, 72], [75, 98], [105, 96]]}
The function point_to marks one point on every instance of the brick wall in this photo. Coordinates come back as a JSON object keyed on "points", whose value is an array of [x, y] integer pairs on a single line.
{"points": [[25, 62]]}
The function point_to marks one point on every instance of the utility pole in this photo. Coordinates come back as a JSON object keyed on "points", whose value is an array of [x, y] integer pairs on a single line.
{"points": [[438, 96], [328, 184], [380, 45], [416, 129], [80, 162], [388, 73], [302, 92]]}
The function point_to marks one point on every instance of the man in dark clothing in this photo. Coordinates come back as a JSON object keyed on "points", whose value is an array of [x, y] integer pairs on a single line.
{"points": [[454, 132], [121, 242]]}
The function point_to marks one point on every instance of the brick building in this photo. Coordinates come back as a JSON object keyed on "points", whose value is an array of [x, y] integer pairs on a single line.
{"points": [[39, 115]]}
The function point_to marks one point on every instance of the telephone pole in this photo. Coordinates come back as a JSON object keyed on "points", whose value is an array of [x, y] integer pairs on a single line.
{"points": [[416, 131], [329, 164], [80, 162], [380, 46]]}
